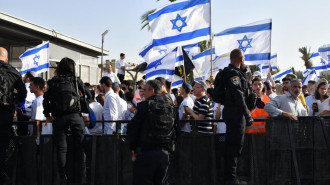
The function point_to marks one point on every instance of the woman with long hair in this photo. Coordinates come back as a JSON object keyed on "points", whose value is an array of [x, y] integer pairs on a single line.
{"points": [[321, 105]]}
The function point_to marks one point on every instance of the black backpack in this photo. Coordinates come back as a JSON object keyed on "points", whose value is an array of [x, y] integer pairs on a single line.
{"points": [[220, 86], [6, 95], [65, 98], [159, 128]]}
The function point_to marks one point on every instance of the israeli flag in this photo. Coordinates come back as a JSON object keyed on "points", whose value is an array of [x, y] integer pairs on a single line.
{"points": [[280, 75], [165, 66], [324, 52], [254, 39], [180, 23], [202, 62], [319, 64], [220, 62], [192, 49], [263, 69], [310, 75], [273, 62], [35, 59], [148, 52]]}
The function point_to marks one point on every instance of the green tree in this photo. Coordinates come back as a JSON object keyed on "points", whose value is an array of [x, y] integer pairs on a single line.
{"points": [[306, 53], [144, 17]]}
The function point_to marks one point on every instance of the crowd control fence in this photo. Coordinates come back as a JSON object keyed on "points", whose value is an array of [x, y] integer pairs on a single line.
{"points": [[289, 153]]}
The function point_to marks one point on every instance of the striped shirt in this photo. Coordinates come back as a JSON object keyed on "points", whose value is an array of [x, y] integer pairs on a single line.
{"points": [[204, 106]]}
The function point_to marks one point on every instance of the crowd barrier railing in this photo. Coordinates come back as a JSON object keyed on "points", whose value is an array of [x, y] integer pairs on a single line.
{"points": [[290, 152]]}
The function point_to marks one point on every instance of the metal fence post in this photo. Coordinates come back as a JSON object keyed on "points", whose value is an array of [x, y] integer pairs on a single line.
{"points": [[293, 152], [325, 134]]}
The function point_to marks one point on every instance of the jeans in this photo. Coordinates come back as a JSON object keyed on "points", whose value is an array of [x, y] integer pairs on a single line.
{"points": [[60, 127]]}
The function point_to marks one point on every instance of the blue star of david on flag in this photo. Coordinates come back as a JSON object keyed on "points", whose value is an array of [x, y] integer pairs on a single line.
{"points": [[158, 64], [248, 45], [35, 62], [180, 19], [162, 51], [329, 58], [322, 61]]}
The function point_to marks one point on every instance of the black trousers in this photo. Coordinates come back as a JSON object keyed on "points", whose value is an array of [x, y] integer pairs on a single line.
{"points": [[234, 141], [121, 77], [150, 168], [60, 126], [6, 133]]}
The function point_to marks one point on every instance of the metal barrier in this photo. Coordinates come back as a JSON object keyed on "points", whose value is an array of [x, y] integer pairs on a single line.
{"points": [[290, 152]]}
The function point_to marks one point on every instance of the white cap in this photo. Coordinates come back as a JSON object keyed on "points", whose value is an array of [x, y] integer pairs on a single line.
{"points": [[257, 73]]}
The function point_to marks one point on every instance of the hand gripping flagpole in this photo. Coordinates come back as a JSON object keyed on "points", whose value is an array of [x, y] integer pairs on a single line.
{"points": [[211, 37]]}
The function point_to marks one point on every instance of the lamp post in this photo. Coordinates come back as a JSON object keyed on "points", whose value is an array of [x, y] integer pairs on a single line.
{"points": [[103, 35]]}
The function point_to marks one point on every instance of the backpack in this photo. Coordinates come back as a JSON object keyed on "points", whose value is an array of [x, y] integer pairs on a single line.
{"points": [[158, 128], [65, 98], [6, 96], [220, 86], [92, 118]]}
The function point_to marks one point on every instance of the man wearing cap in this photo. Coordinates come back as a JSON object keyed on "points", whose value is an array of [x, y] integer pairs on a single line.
{"points": [[257, 74], [235, 113], [187, 102], [202, 109]]}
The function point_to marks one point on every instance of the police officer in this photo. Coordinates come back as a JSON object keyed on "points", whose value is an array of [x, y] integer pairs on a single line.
{"points": [[151, 134], [63, 101], [235, 113], [10, 80]]}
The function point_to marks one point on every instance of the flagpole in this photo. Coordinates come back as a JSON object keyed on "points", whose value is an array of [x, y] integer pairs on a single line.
{"points": [[270, 70], [184, 70], [211, 37]]}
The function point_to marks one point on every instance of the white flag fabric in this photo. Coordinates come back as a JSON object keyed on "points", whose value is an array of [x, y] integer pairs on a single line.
{"points": [[263, 69], [148, 53], [180, 23], [311, 75], [254, 39], [202, 62], [165, 67], [192, 49], [35, 59], [220, 62], [280, 75], [319, 64], [325, 52], [273, 62]]}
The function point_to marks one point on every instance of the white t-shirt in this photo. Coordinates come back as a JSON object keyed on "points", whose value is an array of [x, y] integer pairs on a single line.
{"points": [[322, 106], [98, 112], [37, 109], [189, 103], [273, 95], [120, 63], [112, 76], [30, 97], [193, 97], [37, 114]]}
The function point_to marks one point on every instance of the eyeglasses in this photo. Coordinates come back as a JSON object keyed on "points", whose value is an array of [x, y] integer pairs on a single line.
{"points": [[197, 87]]}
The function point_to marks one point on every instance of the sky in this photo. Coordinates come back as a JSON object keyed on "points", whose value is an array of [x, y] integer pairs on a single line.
{"points": [[296, 23]]}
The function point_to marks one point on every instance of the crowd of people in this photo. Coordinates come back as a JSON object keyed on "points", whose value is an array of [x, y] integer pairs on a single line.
{"points": [[65, 102]]}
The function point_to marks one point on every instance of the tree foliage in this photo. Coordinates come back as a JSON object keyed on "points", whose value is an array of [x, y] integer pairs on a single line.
{"points": [[144, 17], [306, 53]]}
